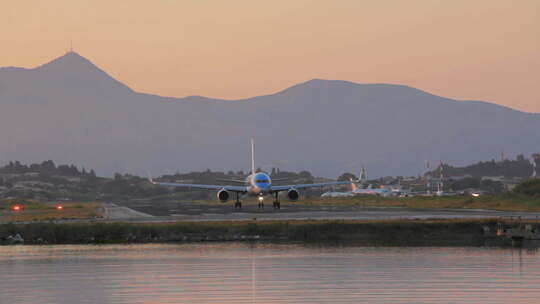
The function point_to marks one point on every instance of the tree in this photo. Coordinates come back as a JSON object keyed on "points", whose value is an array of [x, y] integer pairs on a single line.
{"points": [[73, 170], [529, 187], [347, 176], [19, 168], [305, 175], [48, 166], [63, 170]]}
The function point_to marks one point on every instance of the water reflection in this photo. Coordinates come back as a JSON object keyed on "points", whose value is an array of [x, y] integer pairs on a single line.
{"points": [[261, 273]]}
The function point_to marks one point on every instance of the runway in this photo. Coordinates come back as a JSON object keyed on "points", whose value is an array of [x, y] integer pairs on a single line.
{"points": [[144, 211]]}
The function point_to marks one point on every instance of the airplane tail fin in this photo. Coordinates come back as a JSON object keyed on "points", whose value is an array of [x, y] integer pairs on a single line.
{"points": [[150, 178], [363, 175], [252, 157]]}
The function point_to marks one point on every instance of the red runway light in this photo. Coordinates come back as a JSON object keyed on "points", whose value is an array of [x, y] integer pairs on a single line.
{"points": [[16, 208], [59, 207]]}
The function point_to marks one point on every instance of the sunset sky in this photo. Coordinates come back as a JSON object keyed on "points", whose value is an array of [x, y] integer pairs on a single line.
{"points": [[484, 50]]}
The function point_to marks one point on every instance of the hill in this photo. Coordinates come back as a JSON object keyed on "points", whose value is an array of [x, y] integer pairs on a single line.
{"points": [[69, 110]]}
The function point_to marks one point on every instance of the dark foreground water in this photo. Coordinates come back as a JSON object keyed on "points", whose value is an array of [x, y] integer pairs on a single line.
{"points": [[244, 273]]}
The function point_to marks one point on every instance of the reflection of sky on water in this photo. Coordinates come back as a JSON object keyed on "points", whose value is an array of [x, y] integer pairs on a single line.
{"points": [[243, 273]]}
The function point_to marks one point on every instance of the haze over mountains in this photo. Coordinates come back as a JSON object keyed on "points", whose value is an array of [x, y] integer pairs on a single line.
{"points": [[69, 110]]}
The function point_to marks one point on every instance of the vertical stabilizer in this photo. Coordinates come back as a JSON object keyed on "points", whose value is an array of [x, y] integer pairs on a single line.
{"points": [[363, 175], [252, 157], [533, 162]]}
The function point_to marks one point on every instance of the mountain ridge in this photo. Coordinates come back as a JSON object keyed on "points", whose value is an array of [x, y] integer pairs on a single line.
{"points": [[72, 111], [72, 57]]}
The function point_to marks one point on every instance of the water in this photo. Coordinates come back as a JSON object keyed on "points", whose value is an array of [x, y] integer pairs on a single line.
{"points": [[244, 273]]}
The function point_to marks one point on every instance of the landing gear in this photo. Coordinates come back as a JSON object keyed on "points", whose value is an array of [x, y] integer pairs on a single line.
{"points": [[277, 204], [261, 203], [237, 204]]}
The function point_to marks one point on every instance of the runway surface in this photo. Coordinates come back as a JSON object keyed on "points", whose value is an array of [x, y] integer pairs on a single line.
{"points": [[145, 211]]}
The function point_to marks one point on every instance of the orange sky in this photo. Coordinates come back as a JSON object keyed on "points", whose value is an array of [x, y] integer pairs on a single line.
{"points": [[464, 49]]}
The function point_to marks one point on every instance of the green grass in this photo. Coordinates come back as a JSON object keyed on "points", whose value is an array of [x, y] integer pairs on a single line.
{"points": [[503, 202], [33, 210]]}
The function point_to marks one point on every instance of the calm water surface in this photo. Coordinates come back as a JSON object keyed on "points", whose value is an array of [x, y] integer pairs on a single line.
{"points": [[244, 273]]}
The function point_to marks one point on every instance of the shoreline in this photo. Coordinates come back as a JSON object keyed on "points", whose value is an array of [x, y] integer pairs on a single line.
{"points": [[467, 232]]}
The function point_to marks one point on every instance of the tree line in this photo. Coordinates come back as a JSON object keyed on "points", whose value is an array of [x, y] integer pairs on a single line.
{"points": [[519, 167], [46, 167]]}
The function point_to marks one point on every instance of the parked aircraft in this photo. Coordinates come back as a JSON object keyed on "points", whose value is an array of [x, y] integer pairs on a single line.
{"points": [[256, 184], [337, 194], [370, 191], [359, 191]]}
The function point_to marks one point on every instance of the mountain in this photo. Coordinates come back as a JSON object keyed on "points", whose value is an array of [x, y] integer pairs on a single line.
{"points": [[69, 110]]}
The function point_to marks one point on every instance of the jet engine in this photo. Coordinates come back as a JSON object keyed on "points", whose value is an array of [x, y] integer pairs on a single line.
{"points": [[223, 195], [293, 195]]}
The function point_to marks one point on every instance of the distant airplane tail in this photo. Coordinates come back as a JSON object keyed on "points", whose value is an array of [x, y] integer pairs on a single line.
{"points": [[150, 178], [363, 175], [252, 157]]}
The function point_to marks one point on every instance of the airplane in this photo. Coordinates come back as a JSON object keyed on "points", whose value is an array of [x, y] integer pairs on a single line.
{"points": [[337, 194], [359, 191], [256, 184], [370, 191]]}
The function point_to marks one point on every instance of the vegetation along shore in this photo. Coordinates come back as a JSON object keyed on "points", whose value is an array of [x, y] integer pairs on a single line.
{"points": [[368, 233]]}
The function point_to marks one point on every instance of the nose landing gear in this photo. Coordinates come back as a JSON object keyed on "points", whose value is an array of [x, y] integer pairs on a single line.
{"points": [[261, 203]]}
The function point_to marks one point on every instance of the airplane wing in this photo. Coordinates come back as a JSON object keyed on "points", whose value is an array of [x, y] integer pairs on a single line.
{"points": [[303, 186], [202, 186], [281, 179], [231, 180]]}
